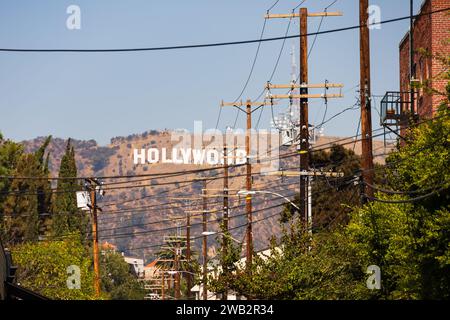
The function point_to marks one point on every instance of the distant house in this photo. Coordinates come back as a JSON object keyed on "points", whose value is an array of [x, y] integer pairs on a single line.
{"points": [[106, 246], [151, 270], [136, 265]]}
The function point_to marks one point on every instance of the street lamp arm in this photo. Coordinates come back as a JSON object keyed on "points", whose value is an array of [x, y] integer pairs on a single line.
{"points": [[210, 233], [245, 192]]}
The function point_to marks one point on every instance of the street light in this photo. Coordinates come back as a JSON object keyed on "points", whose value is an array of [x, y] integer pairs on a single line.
{"points": [[210, 233], [252, 192]]}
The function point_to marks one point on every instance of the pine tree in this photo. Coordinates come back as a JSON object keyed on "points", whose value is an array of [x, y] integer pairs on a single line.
{"points": [[66, 217]]}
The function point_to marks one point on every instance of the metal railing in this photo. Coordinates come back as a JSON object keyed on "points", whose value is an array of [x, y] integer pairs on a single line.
{"points": [[393, 107]]}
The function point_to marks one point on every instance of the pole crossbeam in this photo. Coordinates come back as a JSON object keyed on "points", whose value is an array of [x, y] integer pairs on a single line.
{"points": [[244, 104], [306, 96], [297, 15], [304, 85], [306, 173]]}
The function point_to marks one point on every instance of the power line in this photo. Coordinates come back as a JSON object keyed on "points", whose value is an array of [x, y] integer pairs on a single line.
{"points": [[444, 185], [235, 207], [293, 154], [407, 200], [253, 65], [185, 172], [218, 44]]}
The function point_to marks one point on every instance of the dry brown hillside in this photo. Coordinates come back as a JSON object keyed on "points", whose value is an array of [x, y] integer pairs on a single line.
{"points": [[152, 207]]}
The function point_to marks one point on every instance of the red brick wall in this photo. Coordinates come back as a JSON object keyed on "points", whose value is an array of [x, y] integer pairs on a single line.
{"points": [[430, 31], [440, 45]]}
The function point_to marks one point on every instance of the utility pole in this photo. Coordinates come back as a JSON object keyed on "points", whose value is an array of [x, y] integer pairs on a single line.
{"points": [[225, 217], [310, 175], [163, 284], [177, 269], [304, 96], [173, 243], [365, 98], [188, 253], [205, 245], [304, 122], [248, 184], [248, 199], [92, 185]]}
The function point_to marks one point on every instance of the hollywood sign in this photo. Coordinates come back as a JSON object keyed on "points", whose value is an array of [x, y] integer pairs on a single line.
{"points": [[187, 156]]}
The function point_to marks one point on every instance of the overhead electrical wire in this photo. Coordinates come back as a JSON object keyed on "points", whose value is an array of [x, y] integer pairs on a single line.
{"points": [[314, 149], [219, 219], [435, 192], [218, 44], [253, 64]]}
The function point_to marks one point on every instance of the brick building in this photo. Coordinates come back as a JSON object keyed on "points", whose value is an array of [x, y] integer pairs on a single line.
{"points": [[431, 33]]}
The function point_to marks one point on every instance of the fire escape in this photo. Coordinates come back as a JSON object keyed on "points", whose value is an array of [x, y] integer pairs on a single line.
{"points": [[394, 111]]}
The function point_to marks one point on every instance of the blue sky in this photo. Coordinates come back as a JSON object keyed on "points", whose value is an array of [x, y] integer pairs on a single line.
{"points": [[102, 95]]}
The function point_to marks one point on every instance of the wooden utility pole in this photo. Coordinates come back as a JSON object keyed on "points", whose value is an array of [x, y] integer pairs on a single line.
{"points": [[163, 284], [365, 97], [225, 217], [205, 244], [95, 243], [177, 270], [91, 185], [304, 122], [304, 96], [248, 199], [248, 184], [188, 253], [310, 175]]}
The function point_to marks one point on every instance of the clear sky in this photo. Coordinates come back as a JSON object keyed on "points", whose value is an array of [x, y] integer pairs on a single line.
{"points": [[102, 95]]}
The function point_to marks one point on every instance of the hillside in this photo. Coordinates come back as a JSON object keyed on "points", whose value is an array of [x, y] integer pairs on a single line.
{"points": [[147, 203]]}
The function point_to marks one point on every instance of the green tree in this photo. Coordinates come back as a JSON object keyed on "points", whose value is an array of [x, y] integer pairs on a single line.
{"points": [[10, 154], [28, 199], [43, 268], [297, 268], [66, 217], [410, 241], [331, 196], [117, 282]]}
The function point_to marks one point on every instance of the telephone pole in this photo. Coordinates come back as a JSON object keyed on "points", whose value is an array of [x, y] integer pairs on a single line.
{"points": [[177, 269], [225, 218], [188, 253], [163, 284], [304, 96], [304, 122], [205, 245], [248, 182], [365, 98], [92, 185], [310, 175]]}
